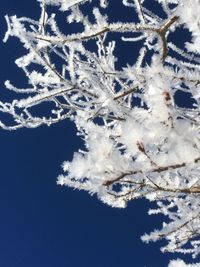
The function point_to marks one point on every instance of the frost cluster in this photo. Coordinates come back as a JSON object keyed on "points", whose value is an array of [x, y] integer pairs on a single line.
{"points": [[140, 142]]}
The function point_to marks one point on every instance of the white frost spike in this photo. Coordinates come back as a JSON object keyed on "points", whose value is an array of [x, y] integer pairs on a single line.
{"points": [[101, 20], [8, 33]]}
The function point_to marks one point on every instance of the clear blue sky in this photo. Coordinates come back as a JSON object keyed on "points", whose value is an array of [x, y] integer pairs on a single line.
{"points": [[45, 225]]}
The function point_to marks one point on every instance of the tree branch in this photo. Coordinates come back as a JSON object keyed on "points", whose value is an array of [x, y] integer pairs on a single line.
{"points": [[157, 169]]}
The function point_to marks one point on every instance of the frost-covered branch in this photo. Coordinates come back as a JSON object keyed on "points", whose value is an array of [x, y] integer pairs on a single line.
{"points": [[141, 141]]}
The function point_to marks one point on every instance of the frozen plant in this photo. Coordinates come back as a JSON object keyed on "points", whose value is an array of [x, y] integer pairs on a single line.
{"points": [[181, 263], [140, 142]]}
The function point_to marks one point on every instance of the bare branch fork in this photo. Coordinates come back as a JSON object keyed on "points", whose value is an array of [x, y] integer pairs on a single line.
{"points": [[162, 32]]}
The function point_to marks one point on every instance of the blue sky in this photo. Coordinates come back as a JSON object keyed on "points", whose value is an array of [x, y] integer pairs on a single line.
{"points": [[45, 225]]}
